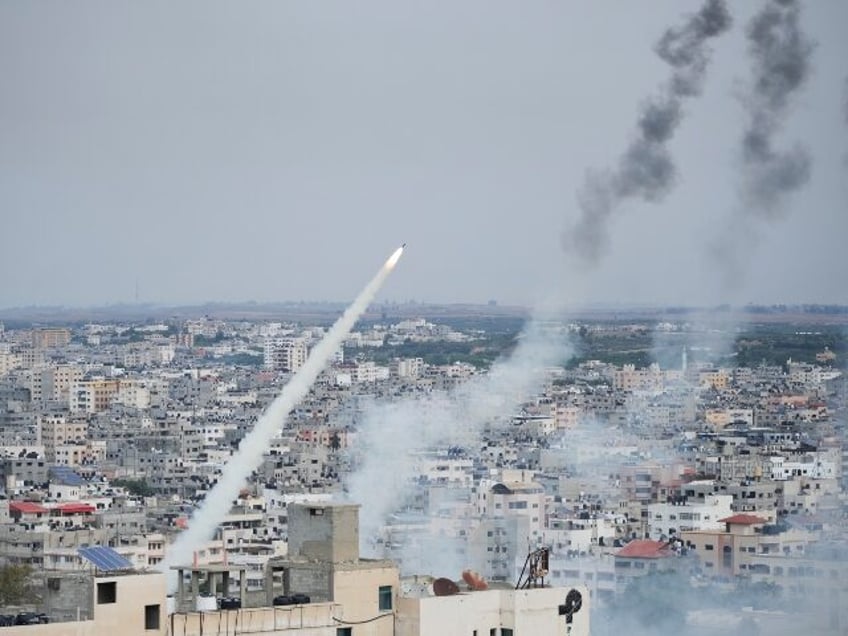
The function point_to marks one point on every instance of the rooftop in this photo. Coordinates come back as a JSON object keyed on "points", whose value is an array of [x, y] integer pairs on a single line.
{"points": [[26, 507], [645, 549], [743, 520]]}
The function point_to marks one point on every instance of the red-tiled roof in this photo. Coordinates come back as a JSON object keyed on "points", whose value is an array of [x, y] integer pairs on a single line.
{"points": [[26, 507], [645, 549], [75, 508], [742, 520]]}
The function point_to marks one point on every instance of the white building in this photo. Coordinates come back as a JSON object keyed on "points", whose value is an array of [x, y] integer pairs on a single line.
{"points": [[408, 367], [445, 470], [514, 497], [284, 354], [670, 519], [813, 466], [493, 612]]}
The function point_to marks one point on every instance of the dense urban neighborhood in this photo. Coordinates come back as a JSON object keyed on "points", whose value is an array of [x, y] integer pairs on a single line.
{"points": [[695, 492]]}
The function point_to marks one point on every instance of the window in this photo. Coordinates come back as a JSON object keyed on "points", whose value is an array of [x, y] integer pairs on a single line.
{"points": [[107, 592], [344, 631], [151, 616], [385, 598], [505, 631], [708, 546], [727, 558]]}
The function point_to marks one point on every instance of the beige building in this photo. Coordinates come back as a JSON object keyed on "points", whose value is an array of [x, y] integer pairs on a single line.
{"points": [[64, 377], [516, 495], [567, 416], [735, 549], [717, 379], [717, 419], [93, 396], [324, 563], [129, 604], [494, 612], [50, 338], [313, 619], [8, 361], [56, 431], [629, 378]]}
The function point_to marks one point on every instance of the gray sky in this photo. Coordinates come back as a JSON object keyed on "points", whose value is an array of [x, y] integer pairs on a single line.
{"points": [[282, 150]]}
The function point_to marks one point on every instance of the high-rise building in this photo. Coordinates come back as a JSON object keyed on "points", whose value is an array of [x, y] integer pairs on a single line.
{"points": [[285, 354]]}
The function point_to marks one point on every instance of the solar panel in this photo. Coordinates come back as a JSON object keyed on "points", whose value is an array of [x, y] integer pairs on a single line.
{"points": [[66, 475], [104, 558]]}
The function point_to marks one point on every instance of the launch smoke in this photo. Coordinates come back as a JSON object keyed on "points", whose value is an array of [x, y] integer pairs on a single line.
{"points": [[781, 54], [391, 434], [217, 503], [646, 169]]}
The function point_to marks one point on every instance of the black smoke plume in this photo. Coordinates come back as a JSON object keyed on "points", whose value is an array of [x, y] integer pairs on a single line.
{"points": [[646, 169], [781, 55]]}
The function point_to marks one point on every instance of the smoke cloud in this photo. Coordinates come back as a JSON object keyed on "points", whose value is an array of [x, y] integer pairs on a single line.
{"points": [[390, 434], [236, 472], [646, 169], [780, 55], [781, 63]]}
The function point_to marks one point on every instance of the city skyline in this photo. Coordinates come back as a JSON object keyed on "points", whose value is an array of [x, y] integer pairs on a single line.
{"points": [[179, 155]]}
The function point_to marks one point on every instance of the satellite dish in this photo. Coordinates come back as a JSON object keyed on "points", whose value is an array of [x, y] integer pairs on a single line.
{"points": [[572, 605], [445, 587], [474, 580]]}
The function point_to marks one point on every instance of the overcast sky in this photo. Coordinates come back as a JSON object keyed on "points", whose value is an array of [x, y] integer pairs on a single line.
{"points": [[282, 150]]}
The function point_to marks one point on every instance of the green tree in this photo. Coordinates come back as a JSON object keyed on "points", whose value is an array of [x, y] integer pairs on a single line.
{"points": [[137, 487], [16, 585]]}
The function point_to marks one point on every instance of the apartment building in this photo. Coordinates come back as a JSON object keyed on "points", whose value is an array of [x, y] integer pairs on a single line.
{"points": [[93, 396], [732, 550], [50, 338], [284, 354], [669, 519]]}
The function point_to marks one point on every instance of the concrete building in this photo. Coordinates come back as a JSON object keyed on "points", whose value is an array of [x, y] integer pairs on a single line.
{"points": [[494, 612], [92, 396], [629, 378], [733, 550], [666, 520], [284, 354], [515, 496], [50, 338], [324, 563], [56, 431]]}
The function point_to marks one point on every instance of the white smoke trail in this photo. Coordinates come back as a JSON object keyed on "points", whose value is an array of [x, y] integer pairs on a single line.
{"points": [[391, 433], [216, 505]]}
